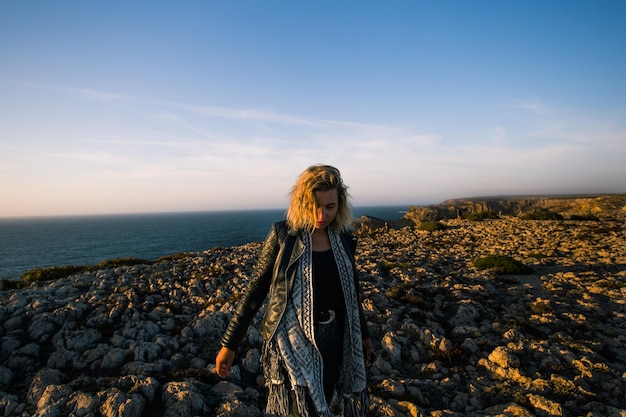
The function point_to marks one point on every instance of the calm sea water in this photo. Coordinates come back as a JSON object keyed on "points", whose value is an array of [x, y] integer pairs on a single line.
{"points": [[28, 243]]}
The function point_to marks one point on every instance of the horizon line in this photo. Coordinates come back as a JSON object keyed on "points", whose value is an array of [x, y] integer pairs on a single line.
{"points": [[360, 206]]}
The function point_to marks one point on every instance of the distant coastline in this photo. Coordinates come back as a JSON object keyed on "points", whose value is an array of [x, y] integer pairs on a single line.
{"points": [[531, 197], [42, 242]]}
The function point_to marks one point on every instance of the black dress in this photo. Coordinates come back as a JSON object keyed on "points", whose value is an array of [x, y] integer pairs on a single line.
{"points": [[328, 296]]}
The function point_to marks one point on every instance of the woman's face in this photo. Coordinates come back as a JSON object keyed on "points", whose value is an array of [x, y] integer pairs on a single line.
{"points": [[327, 207]]}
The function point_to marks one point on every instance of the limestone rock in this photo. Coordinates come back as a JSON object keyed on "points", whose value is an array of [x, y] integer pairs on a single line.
{"points": [[182, 399], [451, 340]]}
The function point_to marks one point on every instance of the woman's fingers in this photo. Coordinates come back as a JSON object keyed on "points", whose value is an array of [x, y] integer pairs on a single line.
{"points": [[223, 361]]}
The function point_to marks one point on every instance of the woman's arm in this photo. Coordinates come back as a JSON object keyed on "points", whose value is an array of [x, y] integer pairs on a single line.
{"points": [[253, 298]]}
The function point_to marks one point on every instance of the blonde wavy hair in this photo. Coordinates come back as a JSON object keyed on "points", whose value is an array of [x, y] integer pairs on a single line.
{"points": [[302, 211]]}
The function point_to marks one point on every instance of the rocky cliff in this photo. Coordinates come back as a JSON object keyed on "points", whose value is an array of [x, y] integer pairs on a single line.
{"points": [[605, 206], [451, 339]]}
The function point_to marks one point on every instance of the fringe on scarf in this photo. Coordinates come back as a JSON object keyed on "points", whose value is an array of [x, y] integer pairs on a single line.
{"points": [[303, 409], [278, 394], [277, 401], [356, 405]]}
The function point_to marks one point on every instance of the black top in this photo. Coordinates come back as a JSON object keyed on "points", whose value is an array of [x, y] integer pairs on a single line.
{"points": [[327, 291]]}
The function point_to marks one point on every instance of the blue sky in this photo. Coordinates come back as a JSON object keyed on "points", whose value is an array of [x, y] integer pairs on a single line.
{"points": [[122, 107]]}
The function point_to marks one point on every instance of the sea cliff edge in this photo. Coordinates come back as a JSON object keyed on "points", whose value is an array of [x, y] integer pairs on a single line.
{"points": [[451, 339]]}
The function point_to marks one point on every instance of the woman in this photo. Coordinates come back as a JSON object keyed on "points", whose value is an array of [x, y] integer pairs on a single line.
{"points": [[316, 340]]}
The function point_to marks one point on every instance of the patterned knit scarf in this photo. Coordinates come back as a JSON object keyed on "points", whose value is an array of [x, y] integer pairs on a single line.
{"points": [[292, 352]]}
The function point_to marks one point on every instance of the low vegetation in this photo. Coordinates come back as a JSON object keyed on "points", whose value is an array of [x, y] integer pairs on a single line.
{"points": [[431, 226], [480, 216], [49, 274], [386, 266], [116, 263], [584, 217], [405, 293], [58, 272], [541, 215], [502, 264]]}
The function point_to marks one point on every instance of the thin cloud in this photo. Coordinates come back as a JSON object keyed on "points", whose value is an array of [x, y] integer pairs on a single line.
{"points": [[125, 142], [535, 107], [243, 114], [262, 115], [98, 95], [90, 93], [206, 110], [94, 158], [183, 122], [601, 133]]}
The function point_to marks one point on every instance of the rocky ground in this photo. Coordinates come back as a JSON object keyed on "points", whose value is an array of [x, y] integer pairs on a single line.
{"points": [[451, 340]]}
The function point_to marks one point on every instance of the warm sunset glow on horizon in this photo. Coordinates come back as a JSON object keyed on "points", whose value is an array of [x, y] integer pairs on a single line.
{"points": [[159, 106]]}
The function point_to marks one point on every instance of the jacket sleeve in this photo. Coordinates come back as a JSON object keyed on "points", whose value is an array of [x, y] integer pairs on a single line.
{"points": [[255, 294]]}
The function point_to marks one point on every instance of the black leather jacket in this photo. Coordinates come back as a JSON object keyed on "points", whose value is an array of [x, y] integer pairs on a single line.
{"points": [[274, 274]]}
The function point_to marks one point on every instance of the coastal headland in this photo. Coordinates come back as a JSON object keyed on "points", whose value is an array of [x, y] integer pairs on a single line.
{"points": [[454, 336]]}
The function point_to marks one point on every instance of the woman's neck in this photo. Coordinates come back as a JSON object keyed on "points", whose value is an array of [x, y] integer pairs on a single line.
{"points": [[320, 240]]}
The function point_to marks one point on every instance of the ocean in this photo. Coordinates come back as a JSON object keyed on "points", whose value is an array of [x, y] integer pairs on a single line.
{"points": [[27, 243]]}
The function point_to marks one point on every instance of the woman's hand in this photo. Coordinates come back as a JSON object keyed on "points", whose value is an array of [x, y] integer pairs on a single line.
{"points": [[368, 351], [223, 361]]}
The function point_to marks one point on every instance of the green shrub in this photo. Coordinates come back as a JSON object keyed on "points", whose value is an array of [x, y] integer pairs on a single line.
{"points": [[8, 284], [386, 266], [480, 216], [584, 217], [405, 293], [430, 226], [174, 257], [541, 215], [58, 272], [115, 263], [502, 264], [49, 274]]}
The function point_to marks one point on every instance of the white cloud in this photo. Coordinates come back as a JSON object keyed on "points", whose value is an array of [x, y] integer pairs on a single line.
{"points": [[244, 114], [533, 106], [90, 93], [161, 153], [98, 95]]}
